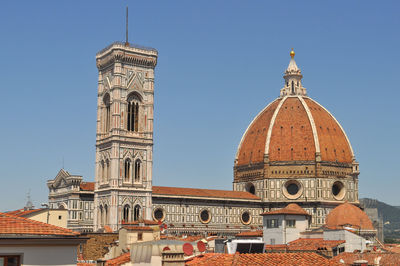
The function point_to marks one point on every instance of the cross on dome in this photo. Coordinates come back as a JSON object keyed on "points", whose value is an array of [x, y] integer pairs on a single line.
{"points": [[293, 78]]}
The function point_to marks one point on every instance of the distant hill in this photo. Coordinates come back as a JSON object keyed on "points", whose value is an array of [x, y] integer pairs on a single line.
{"points": [[390, 214]]}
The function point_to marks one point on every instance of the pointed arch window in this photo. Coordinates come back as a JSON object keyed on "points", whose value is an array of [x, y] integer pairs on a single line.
{"points": [[138, 166], [102, 171], [105, 215], [133, 112], [136, 213], [125, 215], [127, 170], [292, 87], [101, 217], [108, 170], [107, 113]]}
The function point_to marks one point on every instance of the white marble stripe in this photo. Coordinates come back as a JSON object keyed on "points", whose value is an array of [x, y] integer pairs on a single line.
{"points": [[271, 125], [245, 133], [348, 142], [313, 127]]}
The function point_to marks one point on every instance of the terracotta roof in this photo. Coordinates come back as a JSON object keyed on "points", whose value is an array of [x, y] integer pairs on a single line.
{"points": [[292, 136], [186, 239], [313, 244], [277, 247], [107, 229], [23, 212], [198, 192], [258, 233], [146, 222], [292, 208], [13, 225], [120, 260], [395, 248], [87, 186], [387, 259], [138, 228], [347, 214], [252, 146], [298, 259]]}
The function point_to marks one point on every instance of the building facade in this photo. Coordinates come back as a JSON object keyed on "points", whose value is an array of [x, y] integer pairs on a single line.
{"points": [[69, 192], [294, 151]]}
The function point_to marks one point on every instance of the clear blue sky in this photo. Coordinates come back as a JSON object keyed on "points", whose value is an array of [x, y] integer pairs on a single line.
{"points": [[220, 63]]}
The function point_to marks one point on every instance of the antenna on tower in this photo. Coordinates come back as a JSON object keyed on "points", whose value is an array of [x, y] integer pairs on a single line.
{"points": [[126, 37]]}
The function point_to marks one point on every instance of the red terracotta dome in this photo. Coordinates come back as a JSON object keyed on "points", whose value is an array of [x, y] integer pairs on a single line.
{"points": [[294, 128], [347, 214]]}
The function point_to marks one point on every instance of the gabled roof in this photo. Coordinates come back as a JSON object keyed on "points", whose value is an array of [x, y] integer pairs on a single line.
{"points": [[298, 259], [206, 193], [292, 209], [18, 226]]}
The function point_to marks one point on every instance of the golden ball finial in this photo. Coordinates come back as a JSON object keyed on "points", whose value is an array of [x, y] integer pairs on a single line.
{"points": [[292, 53]]}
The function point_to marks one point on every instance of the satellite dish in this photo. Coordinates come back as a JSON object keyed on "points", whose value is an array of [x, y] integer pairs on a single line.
{"points": [[187, 249], [201, 246], [166, 248]]}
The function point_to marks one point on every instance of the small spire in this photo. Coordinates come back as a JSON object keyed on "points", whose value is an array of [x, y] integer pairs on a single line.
{"points": [[293, 76]]}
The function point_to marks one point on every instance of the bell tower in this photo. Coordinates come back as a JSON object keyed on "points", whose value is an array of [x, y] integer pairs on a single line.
{"points": [[124, 134]]}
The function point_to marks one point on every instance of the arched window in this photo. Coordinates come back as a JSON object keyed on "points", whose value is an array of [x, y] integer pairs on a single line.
{"points": [[105, 215], [101, 217], [125, 215], [108, 170], [127, 170], [102, 171], [136, 213], [133, 113], [138, 165], [107, 113], [292, 87]]}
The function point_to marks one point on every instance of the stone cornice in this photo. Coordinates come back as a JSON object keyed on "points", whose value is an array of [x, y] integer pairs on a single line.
{"points": [[118, 53]]}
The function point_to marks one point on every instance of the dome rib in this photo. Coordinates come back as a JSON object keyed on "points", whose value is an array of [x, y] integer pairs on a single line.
{"points": [[341, 128], [271, 125], [335, 145], [312, 122]]}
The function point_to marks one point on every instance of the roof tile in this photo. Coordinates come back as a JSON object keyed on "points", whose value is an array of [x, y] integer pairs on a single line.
{"points": [[208, 193], [13, 225]]}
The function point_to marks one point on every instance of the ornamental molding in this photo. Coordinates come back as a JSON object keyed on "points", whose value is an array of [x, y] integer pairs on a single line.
{"points": [[126, 57]]}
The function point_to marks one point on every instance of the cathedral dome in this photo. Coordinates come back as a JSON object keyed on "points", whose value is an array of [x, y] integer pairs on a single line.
{"points": [[294, 127], [349, 215]]}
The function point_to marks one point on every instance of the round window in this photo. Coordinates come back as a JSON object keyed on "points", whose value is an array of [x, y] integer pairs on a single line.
{"points": [[338, 190], [245, 217], [158, 214], [292, 189], [205, 216]]}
